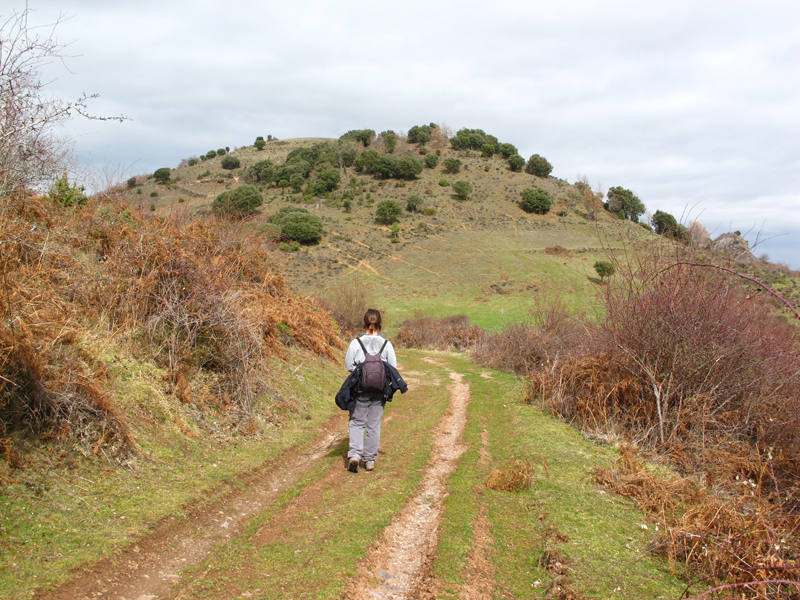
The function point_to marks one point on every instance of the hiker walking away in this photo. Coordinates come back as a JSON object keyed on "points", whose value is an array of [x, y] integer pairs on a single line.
{"points": [[367, 412]]}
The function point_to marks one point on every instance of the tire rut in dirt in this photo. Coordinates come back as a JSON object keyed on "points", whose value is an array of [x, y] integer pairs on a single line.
{"points": [[149, 568], [396, 568]]}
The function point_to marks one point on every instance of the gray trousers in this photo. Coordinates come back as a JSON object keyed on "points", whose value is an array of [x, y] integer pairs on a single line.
{"points": [[365, 429]]}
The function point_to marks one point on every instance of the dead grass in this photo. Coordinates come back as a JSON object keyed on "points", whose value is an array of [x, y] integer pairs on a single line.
{"points": [[517, 477], [749, 536], [200, 296]]}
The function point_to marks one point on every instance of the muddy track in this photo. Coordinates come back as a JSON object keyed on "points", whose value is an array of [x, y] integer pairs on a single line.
{"points": [[480, 581], [397, 566], [149, 568]]}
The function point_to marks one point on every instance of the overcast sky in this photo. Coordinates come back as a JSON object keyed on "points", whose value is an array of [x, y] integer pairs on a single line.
{"points": [[695, 106]]}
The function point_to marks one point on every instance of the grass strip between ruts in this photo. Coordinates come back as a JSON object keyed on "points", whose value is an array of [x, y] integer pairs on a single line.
{"points": [[606, 546]]}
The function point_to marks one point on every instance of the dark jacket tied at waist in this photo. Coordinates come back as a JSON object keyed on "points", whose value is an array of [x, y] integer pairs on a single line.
{"points": [[346, 396]]}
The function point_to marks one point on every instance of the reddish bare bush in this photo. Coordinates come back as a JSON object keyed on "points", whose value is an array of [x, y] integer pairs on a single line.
{"points": [[713, 359], [448, 333], [693, 364], [526, 348]]}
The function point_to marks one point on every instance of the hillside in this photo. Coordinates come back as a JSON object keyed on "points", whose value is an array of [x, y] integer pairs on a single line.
{"points": [[167, 381], [484, 257]]}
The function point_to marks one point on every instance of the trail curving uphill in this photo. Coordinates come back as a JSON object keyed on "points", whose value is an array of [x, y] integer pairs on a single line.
{"points": [[396, 567]]}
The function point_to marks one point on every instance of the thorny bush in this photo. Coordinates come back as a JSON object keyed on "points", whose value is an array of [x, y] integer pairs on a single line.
{"points": [[448, 333], [696, 366], [523, 349]]}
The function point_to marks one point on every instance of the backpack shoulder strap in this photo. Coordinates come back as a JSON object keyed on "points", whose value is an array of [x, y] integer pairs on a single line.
{"points": [[384, 346], [360, 343]]}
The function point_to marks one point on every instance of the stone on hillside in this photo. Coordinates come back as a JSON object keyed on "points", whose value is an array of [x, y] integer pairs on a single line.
{"points": [[735, 246]]}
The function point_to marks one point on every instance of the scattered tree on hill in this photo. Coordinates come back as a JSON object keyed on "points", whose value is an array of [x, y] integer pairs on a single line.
{"points": [[211, 154], [287, 169], [516, 162], [472, 139], [420, 134], [261, 172], [64, 194], [431, 160], [385, 166], [296, 180], [507, 150], [347, 156], [222, 151], [407, 167], [536, 200], [625, 203], [260, 144], [451, 165], [366, 161], [462, 189], [414, 204], [326, 181], [161, 175], [604, 269], [239, 202], [230, 162], [538, 165], [664, 223], [298, 224], [389, 139], [365, 136], [387, 212], [488, 150]]}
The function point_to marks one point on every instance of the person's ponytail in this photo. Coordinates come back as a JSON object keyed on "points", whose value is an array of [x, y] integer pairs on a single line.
{"points": [[372, 320]]}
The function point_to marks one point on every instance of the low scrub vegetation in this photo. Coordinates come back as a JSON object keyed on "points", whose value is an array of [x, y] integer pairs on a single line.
{"points": [[691, 364], [449, 333], [199, 298]]}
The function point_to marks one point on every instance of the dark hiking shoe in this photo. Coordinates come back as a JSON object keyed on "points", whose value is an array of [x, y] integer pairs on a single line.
{"points": [[369, 465], [352, 464]]}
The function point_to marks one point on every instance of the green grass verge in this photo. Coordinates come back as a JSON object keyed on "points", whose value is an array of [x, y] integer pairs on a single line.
{"points": [[67, 510], [606, 545]]}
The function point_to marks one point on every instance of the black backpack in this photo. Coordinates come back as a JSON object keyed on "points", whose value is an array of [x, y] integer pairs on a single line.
{"points": [[373, 371]]}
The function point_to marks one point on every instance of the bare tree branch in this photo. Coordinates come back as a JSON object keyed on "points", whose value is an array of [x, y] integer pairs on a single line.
{"points": [[30, 151], [759, 283]]}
